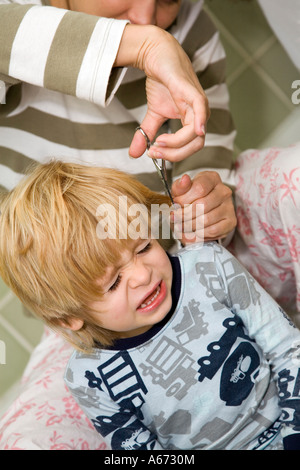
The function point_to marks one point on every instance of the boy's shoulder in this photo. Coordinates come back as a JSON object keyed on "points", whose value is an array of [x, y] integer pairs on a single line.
{"points": [[204, 252], [216, 269], [78, 364]]}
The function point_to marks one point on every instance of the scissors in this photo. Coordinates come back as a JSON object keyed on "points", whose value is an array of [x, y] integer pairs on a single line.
{"points": [[161, 168]]}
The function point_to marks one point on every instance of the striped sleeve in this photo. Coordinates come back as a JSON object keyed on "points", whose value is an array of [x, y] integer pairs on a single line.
{"points": [[61, 50]]}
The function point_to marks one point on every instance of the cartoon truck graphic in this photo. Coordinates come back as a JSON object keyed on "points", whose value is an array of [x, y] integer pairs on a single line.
{"points": [[237, 281], [192, 325], [171, 366]]}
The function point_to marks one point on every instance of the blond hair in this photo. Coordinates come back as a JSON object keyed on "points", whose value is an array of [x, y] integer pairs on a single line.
{"points": [[50, 254]]}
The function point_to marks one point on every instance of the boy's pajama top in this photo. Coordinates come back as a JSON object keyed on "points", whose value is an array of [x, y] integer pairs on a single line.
{"points": [[221, 371]]}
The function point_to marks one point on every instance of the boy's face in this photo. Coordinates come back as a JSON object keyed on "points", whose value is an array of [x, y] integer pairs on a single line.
{"points": [[137, 293], [161, 13]]}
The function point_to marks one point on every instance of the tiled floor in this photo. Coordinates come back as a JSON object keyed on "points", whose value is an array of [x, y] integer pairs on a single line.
{"points": [[259, 77], [18, 334]]}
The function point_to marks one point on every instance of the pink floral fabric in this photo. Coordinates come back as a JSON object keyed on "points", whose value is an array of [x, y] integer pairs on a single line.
{"points": [[268, 211], [45, 416]]}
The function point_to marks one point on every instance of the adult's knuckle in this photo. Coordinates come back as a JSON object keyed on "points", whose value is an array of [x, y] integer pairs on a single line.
{"points": [[206, 105], [215, 174], [214, 231], [228, 191], [206, 220]]}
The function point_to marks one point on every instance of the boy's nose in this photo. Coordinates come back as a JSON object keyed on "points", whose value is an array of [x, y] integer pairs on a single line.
{"points": [[140, 275], [143, 12]]}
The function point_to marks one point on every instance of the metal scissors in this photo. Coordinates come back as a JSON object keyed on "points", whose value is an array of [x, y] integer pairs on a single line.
{"points": [[161, 168]]}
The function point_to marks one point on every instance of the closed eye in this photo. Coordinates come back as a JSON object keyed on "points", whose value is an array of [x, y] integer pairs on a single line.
{"points": [[145, 249], [116, 284]]}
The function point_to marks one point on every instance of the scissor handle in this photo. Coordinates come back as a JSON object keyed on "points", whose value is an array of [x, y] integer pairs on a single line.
{"points": [[148, 141]]}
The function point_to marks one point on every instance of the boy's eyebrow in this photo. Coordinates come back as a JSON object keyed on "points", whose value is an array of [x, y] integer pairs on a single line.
{"points": [[112, 270], [108, 276]]}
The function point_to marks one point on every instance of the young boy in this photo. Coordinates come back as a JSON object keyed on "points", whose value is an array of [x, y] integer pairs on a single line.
{"points": [[181, 352]]}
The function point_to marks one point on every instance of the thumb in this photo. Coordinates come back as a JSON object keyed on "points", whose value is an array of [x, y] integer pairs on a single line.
{"points": [[150, 125], [181, 186]]}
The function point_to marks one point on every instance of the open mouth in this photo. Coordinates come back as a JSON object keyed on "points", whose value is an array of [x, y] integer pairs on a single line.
{"points": [[154, 299], [150, 298]]}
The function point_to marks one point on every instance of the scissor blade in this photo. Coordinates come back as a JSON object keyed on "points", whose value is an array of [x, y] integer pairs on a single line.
{"points": [[161, 169], [167, 189]]}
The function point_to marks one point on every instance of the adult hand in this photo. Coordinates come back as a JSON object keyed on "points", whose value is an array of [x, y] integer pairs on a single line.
{"points": [[207, 210], [173, 91]]}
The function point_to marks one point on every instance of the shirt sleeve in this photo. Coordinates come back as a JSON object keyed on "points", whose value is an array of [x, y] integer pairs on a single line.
{"points": [[120, 425], [273, 331], [61, 50]]}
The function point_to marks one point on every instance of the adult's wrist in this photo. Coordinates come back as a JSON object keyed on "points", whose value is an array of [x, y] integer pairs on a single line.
{"points": [[136, 43]]}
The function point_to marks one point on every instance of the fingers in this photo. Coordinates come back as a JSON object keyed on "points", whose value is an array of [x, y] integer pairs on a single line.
{"points": [[206, 184], [173, 147], [217, 223], [177, 147], [176, 154], [199, 229], [191, 101], [150, 125], [172, 88], [138, 145], [202, 113], [205, 207], [181, 186]]}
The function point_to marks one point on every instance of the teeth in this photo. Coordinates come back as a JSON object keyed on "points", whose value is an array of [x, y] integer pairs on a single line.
{"points": [[152, 298]]}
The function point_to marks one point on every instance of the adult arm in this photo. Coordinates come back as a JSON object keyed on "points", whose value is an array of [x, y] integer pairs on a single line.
{"points": [[209, 181], [60, 50], [172, 88], [41, 45], [81, 54]]}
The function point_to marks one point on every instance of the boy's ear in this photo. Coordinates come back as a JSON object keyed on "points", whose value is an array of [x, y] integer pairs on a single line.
{"points": [[73, 324]]}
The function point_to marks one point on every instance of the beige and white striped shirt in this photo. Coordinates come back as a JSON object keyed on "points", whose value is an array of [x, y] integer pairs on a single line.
{"points": [[65, 100]]}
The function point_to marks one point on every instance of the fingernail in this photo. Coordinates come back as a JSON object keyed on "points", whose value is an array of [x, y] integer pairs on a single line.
{"points": [[203, 129], [181, 179], [154, 154], [160, 144]]}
